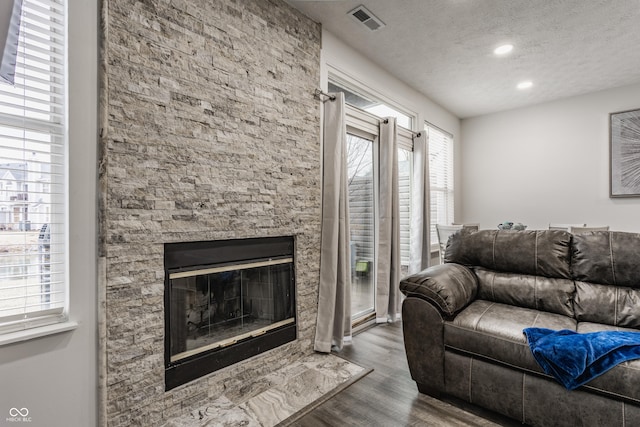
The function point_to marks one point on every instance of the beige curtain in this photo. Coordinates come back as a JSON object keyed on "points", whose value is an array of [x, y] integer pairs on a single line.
{"points": [[420, 252], [388, 254], [334, 296], [10, 11]]}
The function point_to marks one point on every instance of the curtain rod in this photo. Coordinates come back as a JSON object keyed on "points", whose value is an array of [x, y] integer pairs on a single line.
{"points": [[414, 134], [318, 94]]}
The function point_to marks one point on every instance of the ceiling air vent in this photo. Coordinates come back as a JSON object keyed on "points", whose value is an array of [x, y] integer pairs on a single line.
{"points": [[364, 16]]}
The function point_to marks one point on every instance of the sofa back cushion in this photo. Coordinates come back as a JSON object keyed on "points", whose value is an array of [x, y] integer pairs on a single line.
{"points": [[607, 257], [544, 253], [536, 292], [611, 305], [606, 267]]}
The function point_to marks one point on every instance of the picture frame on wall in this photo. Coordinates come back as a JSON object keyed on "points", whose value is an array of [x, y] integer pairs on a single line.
{"points": [[624, 149]]}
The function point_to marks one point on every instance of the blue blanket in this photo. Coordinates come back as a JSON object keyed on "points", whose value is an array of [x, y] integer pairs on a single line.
{"points": [[575, 359]]}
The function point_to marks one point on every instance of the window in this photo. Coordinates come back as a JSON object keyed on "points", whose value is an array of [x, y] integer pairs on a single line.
{"points": [[33, 260], [368, 103], [441, 178]]}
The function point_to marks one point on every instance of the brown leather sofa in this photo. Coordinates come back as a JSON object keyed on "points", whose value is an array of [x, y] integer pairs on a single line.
{"points": [[463, 322]]}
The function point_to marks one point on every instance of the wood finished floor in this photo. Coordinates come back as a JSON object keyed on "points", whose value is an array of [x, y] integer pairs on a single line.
{"points": [[388, 396]]}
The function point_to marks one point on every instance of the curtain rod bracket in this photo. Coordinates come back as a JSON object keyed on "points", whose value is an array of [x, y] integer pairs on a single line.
{"points": [[318, 94]]}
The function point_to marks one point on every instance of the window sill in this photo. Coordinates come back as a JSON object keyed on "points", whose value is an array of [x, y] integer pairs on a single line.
{"points": [[41, 331]]}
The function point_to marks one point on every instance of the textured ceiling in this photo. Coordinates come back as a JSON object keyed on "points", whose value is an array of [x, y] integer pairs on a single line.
{"points": [[444, 48]]}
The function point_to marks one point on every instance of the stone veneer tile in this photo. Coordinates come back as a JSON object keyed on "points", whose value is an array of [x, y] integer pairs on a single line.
{"points": [[209, 131]]}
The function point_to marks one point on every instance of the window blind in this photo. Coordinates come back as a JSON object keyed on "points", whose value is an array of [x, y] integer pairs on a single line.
{"points": [[33, 289], [405, 184], [10, 12], [441, 178]]}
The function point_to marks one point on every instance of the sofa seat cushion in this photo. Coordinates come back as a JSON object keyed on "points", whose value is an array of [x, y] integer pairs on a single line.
{"points": [[494, 331], [622, 380]]}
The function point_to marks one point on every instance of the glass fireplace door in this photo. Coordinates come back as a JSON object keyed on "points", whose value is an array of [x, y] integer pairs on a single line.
{"points": [[222, 305]]}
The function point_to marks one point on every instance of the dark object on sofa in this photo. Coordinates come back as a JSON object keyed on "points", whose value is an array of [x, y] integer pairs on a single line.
{"points": [[463, 322]]}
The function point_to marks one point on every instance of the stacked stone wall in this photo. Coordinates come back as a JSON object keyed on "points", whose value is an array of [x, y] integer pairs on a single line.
{"points": [[210, 131]]}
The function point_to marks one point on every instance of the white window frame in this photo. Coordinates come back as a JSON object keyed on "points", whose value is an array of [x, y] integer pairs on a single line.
{"points": [[43, 319]]}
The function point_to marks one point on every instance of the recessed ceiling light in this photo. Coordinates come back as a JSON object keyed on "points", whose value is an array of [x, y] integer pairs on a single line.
{"points": [[525, 85], [503, 50]]}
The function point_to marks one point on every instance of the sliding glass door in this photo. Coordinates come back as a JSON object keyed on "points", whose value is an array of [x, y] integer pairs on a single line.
{"points": [[363, 174], [361, 187]]}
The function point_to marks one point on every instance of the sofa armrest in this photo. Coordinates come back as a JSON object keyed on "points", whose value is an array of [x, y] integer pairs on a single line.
{"points": [[449, 287]]}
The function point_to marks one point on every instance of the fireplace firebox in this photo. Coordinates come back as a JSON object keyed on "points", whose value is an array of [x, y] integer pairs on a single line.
{"points": [[226, 301]]}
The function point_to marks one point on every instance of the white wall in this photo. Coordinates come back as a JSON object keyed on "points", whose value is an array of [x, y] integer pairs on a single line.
{"points": [[55, 377], [546, 163], [339, 56]]}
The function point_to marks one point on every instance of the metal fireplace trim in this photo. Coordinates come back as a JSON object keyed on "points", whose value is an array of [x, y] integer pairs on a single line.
{"points": [[225, 253], [235, 266], [205, 363], [231, 341]]}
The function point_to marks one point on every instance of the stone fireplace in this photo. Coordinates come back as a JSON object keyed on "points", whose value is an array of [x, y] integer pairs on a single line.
{"points": [[209, 133], [226, 301]]}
